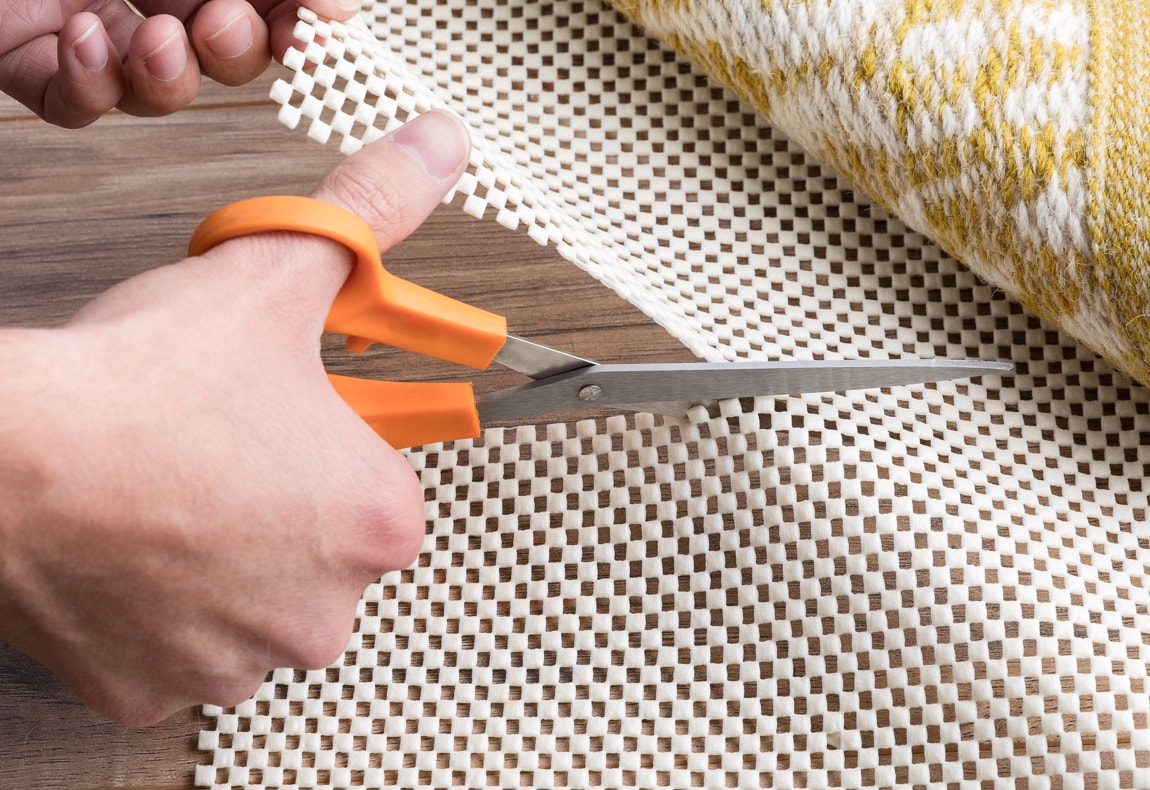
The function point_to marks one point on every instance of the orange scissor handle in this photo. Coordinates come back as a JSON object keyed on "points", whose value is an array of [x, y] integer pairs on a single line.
{"points": [[407, 413], [375, 306]]}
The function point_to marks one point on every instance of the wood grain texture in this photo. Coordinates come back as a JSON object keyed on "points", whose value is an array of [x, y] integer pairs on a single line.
{"points": [[83, 210]]}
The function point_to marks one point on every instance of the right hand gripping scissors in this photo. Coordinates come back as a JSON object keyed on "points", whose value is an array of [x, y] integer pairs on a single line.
{"points": [[375, 306]]}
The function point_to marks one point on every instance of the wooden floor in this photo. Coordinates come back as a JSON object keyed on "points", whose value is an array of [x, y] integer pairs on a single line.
{"points": [[82, 210]]}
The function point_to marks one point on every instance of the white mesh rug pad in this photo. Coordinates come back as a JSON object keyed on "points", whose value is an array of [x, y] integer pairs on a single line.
{"points": [[933, 586]]}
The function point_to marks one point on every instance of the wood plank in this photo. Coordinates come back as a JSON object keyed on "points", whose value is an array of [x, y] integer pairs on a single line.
{"points": [[49, 741], [82, 210]]}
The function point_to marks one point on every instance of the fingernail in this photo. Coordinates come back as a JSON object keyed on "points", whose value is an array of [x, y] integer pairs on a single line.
{"points": [[167, 61], [233, 39], [348, 6], [91, 49], [436, 141]]}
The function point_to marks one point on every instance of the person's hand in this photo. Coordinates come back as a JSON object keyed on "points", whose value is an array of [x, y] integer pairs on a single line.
{"points": [[185, 503], [71, 61]]}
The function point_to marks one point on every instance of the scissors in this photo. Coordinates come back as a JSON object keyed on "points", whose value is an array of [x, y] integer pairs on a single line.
{"points": [[374, 306]]}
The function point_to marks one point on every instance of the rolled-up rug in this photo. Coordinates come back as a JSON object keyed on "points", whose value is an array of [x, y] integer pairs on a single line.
{"points": [[1012, 133]]}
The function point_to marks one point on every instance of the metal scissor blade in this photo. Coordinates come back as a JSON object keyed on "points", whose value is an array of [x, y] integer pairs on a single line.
{"points": [[537, 360], [634, 387]]}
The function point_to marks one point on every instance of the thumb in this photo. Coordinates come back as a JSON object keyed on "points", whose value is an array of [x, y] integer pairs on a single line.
{"points": [[393, 184], [396, 182]]}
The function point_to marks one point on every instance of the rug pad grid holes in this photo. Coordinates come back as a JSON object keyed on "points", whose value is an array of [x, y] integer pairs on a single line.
{"points": [[934, 586]]}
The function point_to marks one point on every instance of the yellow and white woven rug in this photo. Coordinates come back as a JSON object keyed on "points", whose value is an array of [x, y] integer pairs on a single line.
{"points": [[934, 586]]}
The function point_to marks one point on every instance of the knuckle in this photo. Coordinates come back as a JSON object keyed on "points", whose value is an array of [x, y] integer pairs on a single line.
{"points": [[407, 542], [231, 692], [318, 649], [396, 524]]}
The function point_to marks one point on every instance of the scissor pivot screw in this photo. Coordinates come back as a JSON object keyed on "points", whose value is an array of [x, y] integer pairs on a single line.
{"points": [[591, 392]]}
